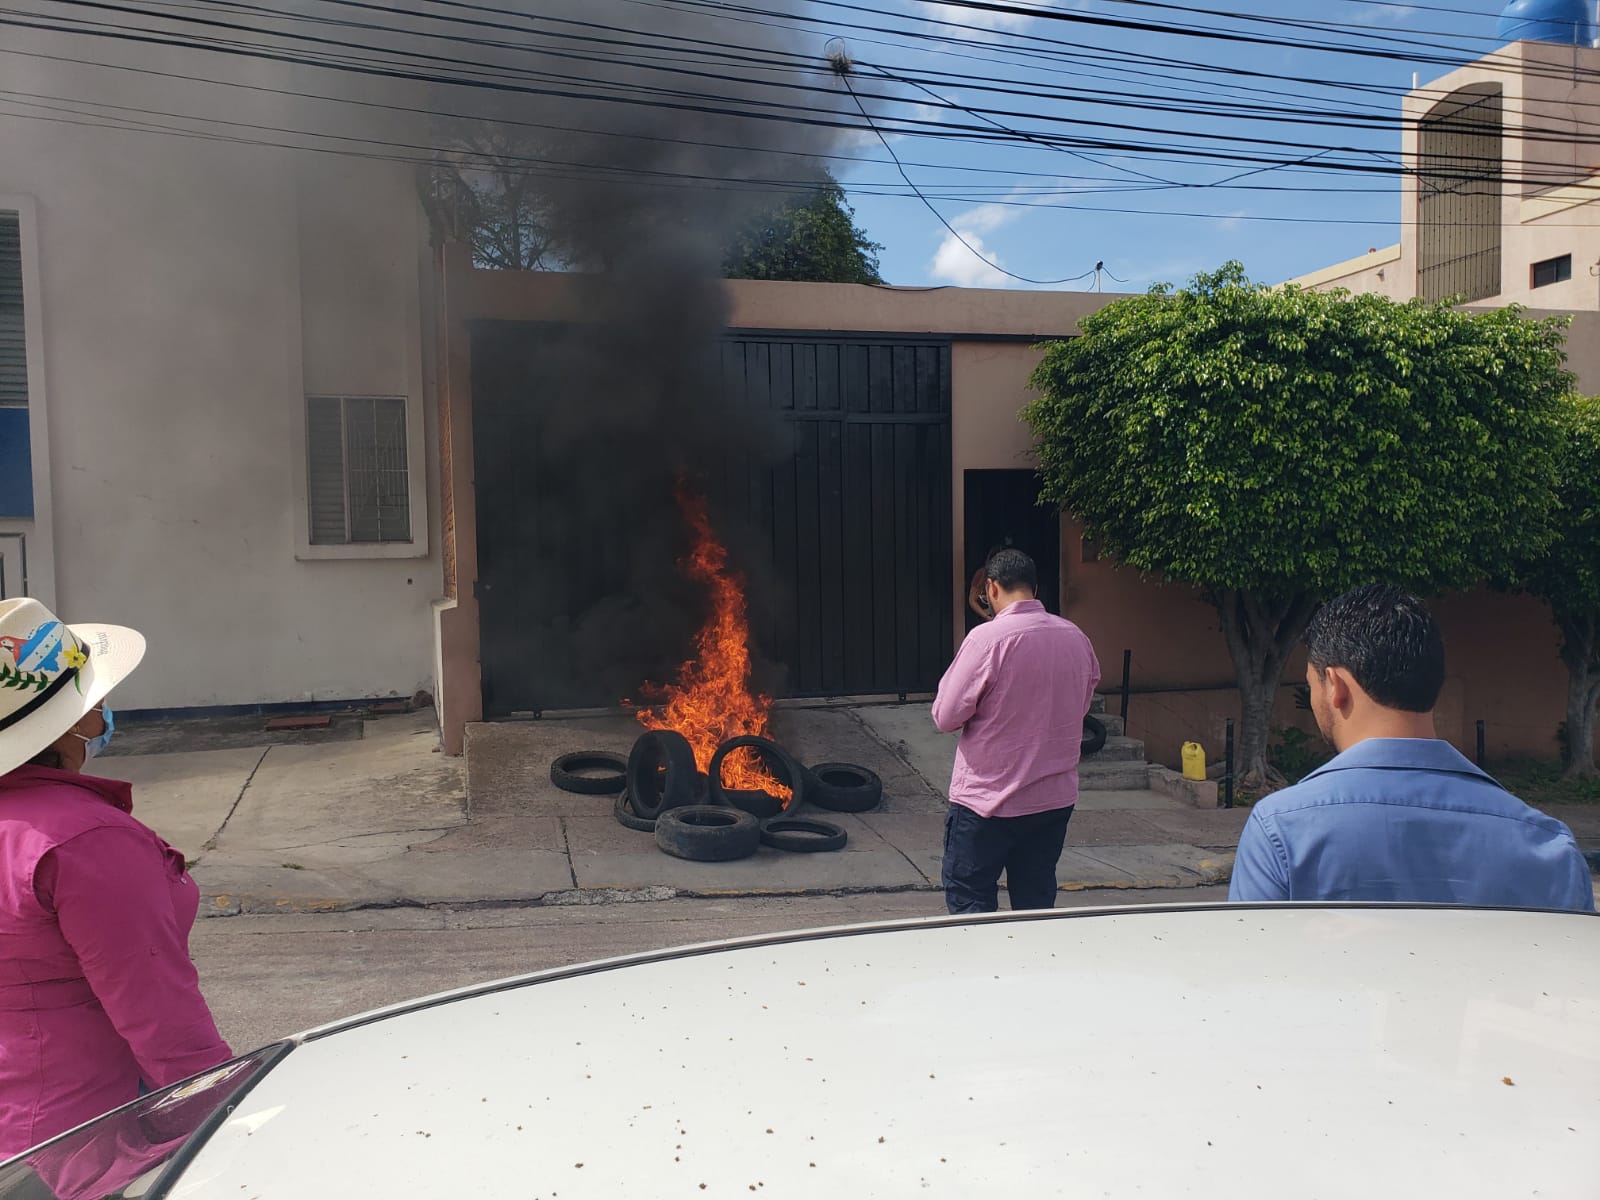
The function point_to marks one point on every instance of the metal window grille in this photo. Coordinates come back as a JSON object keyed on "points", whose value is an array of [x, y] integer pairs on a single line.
{"points": [[358, 484], [1459, 203], [13, 340], [1552, 270]]}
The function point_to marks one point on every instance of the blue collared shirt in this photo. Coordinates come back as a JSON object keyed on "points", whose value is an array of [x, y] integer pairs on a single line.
{"points": [[1407, 820]]}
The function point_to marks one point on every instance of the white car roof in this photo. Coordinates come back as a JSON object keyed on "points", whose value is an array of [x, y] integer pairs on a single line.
{"points": [[1291, 1051]]}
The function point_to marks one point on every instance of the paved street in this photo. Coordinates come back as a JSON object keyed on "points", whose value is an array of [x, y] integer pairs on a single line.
{"points": [[269, 976]]}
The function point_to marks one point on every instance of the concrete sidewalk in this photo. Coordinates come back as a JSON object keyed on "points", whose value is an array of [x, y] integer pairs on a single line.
{"points": [[376, 817]]}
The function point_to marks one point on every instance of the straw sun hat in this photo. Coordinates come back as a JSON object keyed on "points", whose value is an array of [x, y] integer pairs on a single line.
{"points": [[52, 674]]}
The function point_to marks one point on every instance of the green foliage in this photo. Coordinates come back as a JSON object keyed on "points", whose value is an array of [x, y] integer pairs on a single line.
{"points": [[1542, 783], [1569, 575], [814, 240], [18, 680], [1282, 441], [514, 223], [1296, 753]]}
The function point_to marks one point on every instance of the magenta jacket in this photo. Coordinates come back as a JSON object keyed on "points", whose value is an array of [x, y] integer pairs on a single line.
{"points": [[97, 993]]}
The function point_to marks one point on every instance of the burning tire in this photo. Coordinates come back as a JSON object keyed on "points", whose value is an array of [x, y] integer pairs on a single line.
{"points": [[706, 833], [803, 836], [661, 773], [612, 768], [843, 787], [778, 761], [1094, 736], [622, 809]]}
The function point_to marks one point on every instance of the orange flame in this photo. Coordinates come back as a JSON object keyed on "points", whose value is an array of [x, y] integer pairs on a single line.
{"points": [[712, 701]]}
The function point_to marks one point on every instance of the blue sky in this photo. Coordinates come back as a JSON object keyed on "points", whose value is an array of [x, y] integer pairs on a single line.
{"points": [[1128, 208]]}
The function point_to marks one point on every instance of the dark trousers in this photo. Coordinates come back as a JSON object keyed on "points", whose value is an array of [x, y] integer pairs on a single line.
{"points": [[977, 849]]}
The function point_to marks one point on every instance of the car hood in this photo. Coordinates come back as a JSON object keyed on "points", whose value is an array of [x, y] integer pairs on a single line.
{"points": [[1234, 1051]]}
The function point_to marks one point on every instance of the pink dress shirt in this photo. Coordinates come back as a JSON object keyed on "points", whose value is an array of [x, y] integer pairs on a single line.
{"points": [[97, 993], [1018, 691]]}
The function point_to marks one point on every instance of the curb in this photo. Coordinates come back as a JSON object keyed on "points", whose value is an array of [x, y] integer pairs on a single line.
{"points": [[235, 905]]}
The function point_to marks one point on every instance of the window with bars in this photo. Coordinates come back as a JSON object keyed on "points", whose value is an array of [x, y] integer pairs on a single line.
{"points": [[13, 333], [358, 483], [1552, 270]]}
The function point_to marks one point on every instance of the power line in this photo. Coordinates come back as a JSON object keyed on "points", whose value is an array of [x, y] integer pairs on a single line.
{"points": [[669, 180], [686, 99]]}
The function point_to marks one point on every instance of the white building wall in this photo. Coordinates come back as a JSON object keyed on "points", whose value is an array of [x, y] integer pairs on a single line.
{"points": [[191, 292]]}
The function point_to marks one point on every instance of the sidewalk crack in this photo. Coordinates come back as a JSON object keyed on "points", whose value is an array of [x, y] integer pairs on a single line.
{"points": [[211, 842], [566, 848], [894, 749]]}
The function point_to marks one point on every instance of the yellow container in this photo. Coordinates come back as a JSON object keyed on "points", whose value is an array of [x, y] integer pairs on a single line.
{"points": [[1194, 761]]}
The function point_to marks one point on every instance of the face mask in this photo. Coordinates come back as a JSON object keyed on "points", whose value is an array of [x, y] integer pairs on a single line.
{"points": [[93, 746]]}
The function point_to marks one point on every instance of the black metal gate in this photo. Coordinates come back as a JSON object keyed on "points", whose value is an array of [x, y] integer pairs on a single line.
{"points": [[851, 524]]}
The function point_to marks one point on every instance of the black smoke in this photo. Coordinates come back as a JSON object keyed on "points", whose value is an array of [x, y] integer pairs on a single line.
{"points": [[586, 426]]}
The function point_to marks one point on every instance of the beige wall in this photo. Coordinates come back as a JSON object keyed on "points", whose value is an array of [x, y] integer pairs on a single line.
{"points": [[1503, 663], [1377, 271], [989, 386], [178, 353], [1573, 230], [1549, 94], [990, 366]]}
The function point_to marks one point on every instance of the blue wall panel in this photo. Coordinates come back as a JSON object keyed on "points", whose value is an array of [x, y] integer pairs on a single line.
{"points": [[16, 464]]}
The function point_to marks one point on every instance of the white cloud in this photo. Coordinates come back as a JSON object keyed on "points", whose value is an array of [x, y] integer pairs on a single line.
{"points": [[986, 218], [963, 264], [982, 23], [1381, 14]]}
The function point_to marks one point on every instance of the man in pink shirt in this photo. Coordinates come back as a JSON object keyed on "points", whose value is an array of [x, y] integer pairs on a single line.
{"points": [[1018, 691]]}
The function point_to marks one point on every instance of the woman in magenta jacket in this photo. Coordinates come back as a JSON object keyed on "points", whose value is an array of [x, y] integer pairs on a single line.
{"points": [[98, 998]]}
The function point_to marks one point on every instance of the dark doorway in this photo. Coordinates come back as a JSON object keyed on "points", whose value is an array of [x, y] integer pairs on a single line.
{"points": [[844, 531], [1002, 509]]}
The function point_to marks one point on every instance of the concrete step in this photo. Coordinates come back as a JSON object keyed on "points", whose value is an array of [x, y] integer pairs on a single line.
{"points": [[1119, 749], [1124, 776], [1114, 725]]}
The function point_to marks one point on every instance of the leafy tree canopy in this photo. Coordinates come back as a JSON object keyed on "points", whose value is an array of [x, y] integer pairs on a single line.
{"points": [[813, 240], [1275, 446], [1568, 575]]}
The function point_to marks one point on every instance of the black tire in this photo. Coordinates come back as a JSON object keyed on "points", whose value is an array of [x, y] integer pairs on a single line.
{"points": [[651, 790], [707, 833], [1094, 736], [801, 835], [760, 805], [779, 761], [843, 787], [622, 810], [563, 773]]}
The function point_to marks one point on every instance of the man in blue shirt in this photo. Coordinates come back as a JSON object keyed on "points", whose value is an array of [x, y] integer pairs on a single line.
{"points": [[1398, 815]]}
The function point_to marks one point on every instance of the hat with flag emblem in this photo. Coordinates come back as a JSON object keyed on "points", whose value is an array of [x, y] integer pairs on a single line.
{"points": [[52, 674]]}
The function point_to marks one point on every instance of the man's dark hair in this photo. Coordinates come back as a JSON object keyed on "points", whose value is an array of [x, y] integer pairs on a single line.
{"points": [[1012, 570], [1388, 642]]}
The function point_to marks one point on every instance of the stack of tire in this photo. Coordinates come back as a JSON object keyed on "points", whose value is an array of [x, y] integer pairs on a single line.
{"points": [[658, 789]]}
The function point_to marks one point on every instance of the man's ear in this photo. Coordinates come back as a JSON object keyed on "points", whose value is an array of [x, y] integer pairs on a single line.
{"points": [[1340, 691]]}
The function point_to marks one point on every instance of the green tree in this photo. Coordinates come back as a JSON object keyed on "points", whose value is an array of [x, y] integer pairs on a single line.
{"points": [[1275, 446], [485, 196], [813, 239], [1568, 577]]}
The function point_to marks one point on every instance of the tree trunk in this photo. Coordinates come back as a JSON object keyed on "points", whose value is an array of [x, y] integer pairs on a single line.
{"points": [[1261, 634], [1580, 650]]}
